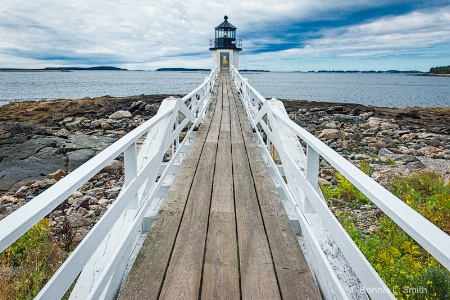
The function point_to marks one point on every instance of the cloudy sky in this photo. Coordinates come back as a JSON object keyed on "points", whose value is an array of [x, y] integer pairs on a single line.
{"points": [[281, 35]]}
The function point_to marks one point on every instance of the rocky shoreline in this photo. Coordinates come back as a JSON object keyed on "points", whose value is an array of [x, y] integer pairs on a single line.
{"points": [[392, 140], [37, 138], [42, 141]]}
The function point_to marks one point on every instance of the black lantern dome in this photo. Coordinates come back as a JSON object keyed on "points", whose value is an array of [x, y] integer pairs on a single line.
{"points": [[225, 37]]}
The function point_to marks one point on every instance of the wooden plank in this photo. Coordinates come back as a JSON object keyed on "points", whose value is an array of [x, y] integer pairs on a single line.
{"points": [[294, 277], [225, 125], [236, 134], [258, 279], [223, 195], [213, 135], [184, 273], [221, 272], [183, 276], [147, 275]]}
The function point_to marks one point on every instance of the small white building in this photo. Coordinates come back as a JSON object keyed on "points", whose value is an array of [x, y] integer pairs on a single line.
{"points": [[225, 48]]}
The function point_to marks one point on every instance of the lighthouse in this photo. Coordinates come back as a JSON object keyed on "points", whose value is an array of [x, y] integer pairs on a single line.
{"points": [[225, 48]]}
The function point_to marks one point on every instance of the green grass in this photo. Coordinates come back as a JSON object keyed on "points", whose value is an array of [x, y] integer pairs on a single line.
{"points": [[390, 161]]}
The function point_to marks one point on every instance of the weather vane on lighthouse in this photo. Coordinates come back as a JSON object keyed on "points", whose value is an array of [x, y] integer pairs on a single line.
{"points": [[225, 48]]}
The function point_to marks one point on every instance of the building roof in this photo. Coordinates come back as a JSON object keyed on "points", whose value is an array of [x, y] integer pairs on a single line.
{"points": [[225, 24]]}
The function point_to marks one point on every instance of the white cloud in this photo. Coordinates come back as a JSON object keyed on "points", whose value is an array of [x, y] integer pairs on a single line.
{"points": [[386, 36], [148, 34]]}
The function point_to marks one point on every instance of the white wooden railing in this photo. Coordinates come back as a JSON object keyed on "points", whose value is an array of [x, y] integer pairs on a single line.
{"points": [[101, 258], [300, 185]]}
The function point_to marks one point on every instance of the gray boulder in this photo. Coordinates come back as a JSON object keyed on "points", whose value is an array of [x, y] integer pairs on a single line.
{"points": [[120, 115], [331, 134]]}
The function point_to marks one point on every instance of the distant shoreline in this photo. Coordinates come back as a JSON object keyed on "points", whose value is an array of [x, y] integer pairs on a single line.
{"points": [[108, 68], [182, 70], [29, 70], [434, 75], [376, 72], [63, 69]]}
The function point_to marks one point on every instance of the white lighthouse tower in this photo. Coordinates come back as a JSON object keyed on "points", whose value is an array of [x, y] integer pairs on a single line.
{"points": [[225, 48]]}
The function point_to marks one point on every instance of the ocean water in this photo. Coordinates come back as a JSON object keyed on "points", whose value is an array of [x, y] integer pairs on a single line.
{"points": [[22, 86], [390, 90], [379, 89]]}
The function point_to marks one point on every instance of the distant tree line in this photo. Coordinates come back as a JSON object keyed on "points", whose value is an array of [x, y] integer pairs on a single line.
{"points": [[440, 70]]}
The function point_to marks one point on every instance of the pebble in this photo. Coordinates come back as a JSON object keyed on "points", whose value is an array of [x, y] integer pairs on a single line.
{"points": [[43, 184], [103, 201], [77, 194], [384, 151], [57, 175], [23, 188], [330, 134], [113, 167]]}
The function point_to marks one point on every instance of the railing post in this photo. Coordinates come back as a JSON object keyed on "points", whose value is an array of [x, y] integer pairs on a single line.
{"points": [[177, 141], [130, 166], [312, 175]]}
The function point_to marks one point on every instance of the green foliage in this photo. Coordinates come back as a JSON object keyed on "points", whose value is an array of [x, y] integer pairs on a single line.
{"points": [[427, 193], [345, 190], [440, 70], [365, 167], [397, 258], [401, 262], [390, 161], [29, 263]]}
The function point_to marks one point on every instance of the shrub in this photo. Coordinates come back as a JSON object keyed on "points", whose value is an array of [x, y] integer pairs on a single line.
{"points": [[397, 258], [29, 263], [401, 262], [427, 193]]}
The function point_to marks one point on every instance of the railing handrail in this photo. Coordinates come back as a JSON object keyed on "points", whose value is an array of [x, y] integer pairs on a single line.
{"points": [[136, 192], [429, 236]]}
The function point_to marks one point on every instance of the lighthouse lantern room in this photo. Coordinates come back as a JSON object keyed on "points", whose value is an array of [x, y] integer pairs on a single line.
{"points": [[225, 48]]}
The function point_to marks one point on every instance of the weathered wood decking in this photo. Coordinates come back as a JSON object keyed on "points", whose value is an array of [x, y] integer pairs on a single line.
{"points": [[222, 232]]}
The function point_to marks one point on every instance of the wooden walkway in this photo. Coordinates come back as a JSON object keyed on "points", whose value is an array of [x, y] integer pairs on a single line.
{"points": [[222, 232]]}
